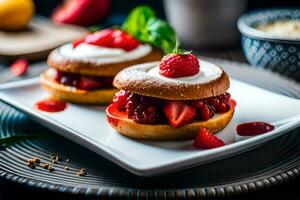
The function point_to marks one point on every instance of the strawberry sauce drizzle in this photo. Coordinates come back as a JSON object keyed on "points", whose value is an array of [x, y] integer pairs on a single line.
{"points": [[51, 105], [253, 128]]}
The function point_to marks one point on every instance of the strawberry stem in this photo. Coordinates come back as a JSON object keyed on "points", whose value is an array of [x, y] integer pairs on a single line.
{"points": [[179, 51]]}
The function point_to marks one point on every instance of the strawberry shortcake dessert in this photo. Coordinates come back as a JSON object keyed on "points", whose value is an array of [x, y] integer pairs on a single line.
{"points": [[83, 71], [171, 99]]}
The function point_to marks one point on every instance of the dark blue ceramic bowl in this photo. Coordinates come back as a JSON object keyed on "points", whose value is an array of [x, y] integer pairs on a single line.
{"points": [[263, 50]]}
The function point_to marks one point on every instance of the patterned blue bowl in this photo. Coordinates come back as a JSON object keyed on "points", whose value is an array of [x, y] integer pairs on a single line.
{"points": [[281, 55]]}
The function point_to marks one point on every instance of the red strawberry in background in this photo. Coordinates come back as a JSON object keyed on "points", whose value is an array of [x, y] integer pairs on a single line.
{"points": [[206, 140], [81, 12], [180, 63]]}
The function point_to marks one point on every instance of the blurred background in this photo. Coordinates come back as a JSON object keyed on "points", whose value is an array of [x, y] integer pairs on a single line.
{"points": [[45, 7], [211, 17], [208, 27]]}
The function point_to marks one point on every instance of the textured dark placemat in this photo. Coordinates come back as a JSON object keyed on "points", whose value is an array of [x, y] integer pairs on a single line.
{"points": [[273, 163]]}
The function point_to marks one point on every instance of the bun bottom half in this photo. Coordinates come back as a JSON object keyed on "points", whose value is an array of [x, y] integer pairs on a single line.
{"points": [[71, 94], [164, 132]]}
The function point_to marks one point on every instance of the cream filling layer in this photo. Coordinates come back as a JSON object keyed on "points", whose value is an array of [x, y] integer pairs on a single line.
{"points": [[93, 53], [208, 72]]}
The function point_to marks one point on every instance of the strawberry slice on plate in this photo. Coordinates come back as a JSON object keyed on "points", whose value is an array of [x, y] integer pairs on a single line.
{"points": [[179, 113], [206, 140], [19, 67]]}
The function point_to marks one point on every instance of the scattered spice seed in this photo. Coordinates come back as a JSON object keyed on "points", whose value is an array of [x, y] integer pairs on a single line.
{"points": [[81, 174], [30, 161], [57, 158], [31, 165], [54, 161], [36, 160], [50, 168], [45, 165], [53, 156]]}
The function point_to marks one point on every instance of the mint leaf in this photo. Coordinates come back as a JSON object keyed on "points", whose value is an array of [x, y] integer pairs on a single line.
{"points": [[160, 34], [146, 27], [137, 20]]}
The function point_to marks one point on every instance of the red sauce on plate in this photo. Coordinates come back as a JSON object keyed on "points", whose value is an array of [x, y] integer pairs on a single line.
{"points": [[51, 105], [254, 128]]}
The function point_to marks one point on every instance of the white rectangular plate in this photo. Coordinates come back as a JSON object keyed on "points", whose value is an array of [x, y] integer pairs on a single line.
{"points": [[87, 126]]}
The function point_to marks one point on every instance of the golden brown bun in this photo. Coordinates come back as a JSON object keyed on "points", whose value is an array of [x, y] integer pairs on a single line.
{"points": [[58, 61], [134, 130], [136, 79], [71, 94]]}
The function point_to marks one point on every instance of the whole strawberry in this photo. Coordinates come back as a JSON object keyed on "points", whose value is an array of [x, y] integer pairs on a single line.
{"points": [[179, 64]]}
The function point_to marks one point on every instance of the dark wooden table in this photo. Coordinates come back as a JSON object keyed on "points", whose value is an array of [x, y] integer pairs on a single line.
{"points": [[290, 190]]}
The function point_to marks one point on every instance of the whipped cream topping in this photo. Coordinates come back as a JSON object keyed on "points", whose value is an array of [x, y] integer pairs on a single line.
{"points": [[208, 72], [93, 53]]}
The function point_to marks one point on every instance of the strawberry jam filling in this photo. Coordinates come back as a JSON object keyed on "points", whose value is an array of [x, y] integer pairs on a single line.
{"points": [[109, 38], [82, 82], [150, 110]]}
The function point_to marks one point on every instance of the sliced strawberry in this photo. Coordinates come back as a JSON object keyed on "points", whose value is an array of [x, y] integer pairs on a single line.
{"points": [[101, 38], [110, 38], [89, 83], [126, 42], [179, 113], [19, 67], [206, 140], [77, 42]]}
